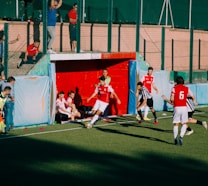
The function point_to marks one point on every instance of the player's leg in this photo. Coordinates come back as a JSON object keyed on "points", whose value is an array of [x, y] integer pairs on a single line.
{"points": [[189, 130], [146, 110], [139, 110], [176, 121], [150, 105], [184, 120]]}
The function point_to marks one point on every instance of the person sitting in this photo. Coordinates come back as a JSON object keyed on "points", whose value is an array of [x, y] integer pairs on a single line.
{"points": [[64, 113], [32, 54], [70, 103]]}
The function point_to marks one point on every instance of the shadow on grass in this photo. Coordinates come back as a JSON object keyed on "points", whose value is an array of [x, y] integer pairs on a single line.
{"points": [[26, 161], [132, 135]]}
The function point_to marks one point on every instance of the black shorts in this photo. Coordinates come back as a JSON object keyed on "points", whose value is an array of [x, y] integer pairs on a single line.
{"points": [[73, 32], [190, 114], [149, 102]]}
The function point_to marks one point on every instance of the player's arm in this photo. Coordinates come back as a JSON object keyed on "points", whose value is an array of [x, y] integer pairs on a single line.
{"points": [[166, 99], [116, 96], [155, 88], [139, 105], [92, 96], [190, 94]]}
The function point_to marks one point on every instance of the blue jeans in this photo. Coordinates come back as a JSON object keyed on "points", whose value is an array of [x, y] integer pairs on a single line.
{"points": [[8, 111]]}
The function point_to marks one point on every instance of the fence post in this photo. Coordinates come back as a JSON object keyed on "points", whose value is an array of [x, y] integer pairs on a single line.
{"points": [[91, 37], [172, 56], [119, 37], [138, 5], [61, 37], [163, 49], [79, 10], [145, 49], [110, 15], [191, 55], [45, 10], [6, 42], [28, 33], [199, 55]]}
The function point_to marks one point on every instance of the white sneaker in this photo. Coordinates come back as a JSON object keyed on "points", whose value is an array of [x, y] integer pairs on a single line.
{"points": [[189, 132], [50, 51], [204, 124], [138, 118], [88, 125]]}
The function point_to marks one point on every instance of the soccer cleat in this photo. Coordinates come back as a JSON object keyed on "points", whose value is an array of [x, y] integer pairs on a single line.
{"points": [[147, 119], [176, 141], [141, 121], [88, 125], [189, 132], [204, 124], [156, 121], [138, 118], [180, 140]]}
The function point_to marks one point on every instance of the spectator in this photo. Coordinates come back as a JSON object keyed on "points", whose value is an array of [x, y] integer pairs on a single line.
{"points": [[3, 97], [31, 55], [72, 14], [70, 103], [9, 105], [2, 38], [52, 14]]}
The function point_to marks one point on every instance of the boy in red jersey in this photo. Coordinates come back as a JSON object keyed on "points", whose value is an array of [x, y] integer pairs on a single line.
{"points": [[103, 91], [31, 54], [178, 97], [148, 82]]}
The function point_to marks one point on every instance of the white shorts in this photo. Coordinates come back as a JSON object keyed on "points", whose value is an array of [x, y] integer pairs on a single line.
{"points": [[69, 113], [180, 115], [100, 105]]}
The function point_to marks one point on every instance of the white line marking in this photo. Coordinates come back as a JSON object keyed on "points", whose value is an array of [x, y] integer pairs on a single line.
{"points": [[78, 128]]}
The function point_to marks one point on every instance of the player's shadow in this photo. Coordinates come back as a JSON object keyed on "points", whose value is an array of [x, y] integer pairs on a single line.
{"points": [[132, 135], [155, 129]]}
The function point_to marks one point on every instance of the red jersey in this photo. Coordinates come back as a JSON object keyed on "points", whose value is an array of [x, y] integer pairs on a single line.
{"points": [[147, 81], [180, 93], [32, 50], [73, 15], [103, 92]]}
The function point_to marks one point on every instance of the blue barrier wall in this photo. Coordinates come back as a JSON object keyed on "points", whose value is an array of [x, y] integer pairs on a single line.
{"points": [[31, 100], [164, 86]]}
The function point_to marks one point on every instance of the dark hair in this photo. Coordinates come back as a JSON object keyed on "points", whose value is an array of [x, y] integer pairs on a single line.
{"points": [[11, 78], [62, 92], [37, 40], [179, 80], [71, 92], [7, 88], [150, 68], [102, 78], [140, 83]]}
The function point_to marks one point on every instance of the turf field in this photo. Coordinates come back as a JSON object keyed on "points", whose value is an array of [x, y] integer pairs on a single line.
{"points": [[119, 152]]}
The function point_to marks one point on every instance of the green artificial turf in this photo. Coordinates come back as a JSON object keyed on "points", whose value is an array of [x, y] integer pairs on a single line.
{"points": [[114, 154]]}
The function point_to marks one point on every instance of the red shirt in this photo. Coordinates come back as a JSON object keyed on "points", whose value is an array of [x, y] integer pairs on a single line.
{"points": [[147, 81], [103, 92], [180, 93], [32, 50], [73, 15]]}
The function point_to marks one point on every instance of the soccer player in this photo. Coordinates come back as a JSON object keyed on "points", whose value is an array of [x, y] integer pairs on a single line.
{"points": [[190, 103], [103, 91], [148, 82], [146, 99], [178, 98]]}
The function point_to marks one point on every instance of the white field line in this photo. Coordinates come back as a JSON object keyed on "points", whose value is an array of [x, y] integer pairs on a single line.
{"points": [[78, 128]]}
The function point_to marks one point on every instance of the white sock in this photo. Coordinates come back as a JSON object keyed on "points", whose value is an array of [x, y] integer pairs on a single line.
{"points": [[94, 119], [146, 109], [175, 131], [183, 130]]}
